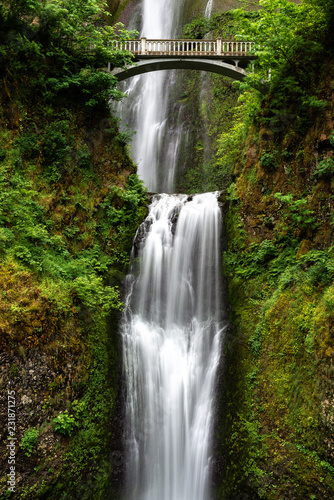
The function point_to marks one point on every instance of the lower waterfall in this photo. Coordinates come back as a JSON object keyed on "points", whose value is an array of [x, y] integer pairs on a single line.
{"points": [[172, 333]]}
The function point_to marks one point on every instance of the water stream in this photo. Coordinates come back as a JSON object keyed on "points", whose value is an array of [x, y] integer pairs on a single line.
{"points": [[146, 108], [172, 328], [208, 8], [171, 337]]}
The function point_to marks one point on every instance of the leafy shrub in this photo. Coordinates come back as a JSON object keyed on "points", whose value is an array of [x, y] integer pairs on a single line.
{"points": [[297, 211], [197, 28], [29, 440], [269, 160], [320, 267], [325, 169], [252, 262], [313, 102], [65, 424], [331, 138], [94, 295], [22, 253], [255, 340], [125, 209], [6, 237], [56, 142], [320, 274], [90, 87], [79, 408], [84, 157], [121, 205], [266, 251], [14, 370], [285, 260], [28, 144]]}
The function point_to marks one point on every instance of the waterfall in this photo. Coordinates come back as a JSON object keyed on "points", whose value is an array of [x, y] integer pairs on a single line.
{"points": [[146, 108], [171, 343], [208, 8]]}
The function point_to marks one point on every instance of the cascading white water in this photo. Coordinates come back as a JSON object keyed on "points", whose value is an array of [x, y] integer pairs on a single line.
{"points": [[171, 338], [208, 8], [146, 108]]}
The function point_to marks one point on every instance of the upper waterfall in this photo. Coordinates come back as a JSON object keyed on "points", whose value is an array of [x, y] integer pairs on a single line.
{"points": [[208, 8], [147, 107]]}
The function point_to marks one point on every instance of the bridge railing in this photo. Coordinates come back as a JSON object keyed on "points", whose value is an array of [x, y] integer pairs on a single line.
{"points": [[213, 48]]}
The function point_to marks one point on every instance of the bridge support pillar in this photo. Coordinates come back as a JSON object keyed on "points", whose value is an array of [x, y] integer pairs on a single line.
{"points": [[143, 45], [219, 46]]}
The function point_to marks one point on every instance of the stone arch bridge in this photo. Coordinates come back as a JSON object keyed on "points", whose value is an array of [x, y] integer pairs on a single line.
{"points": [[228, 58]]}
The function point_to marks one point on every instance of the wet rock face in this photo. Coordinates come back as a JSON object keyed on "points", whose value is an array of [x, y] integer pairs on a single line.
{"points": [[175, 216], [117, 443], [125, 12], [141, 235], [42, 388]]}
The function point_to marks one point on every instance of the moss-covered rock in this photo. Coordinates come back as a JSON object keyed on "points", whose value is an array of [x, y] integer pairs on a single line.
{"points": [[277, 395]]}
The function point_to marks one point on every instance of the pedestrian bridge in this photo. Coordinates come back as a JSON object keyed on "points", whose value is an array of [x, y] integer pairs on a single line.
{"points": [[225, 57]]}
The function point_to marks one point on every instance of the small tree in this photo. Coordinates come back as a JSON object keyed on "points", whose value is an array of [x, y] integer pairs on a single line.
{"points": [[29, 440]]}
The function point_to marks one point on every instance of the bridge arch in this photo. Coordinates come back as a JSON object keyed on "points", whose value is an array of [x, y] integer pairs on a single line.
{"points": [[148, 65]]}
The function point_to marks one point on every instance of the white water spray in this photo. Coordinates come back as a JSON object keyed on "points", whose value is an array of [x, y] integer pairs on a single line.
{"points": [[171, 338]]}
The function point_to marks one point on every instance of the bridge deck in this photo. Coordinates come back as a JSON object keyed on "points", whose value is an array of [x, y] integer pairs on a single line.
{"points": [[218, 48]]}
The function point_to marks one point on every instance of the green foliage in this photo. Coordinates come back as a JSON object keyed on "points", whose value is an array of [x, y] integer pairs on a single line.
{"points": [[198, 28], [331, 138], [94, 295], [61, 49], [6, 237], [327, 7], [29, 440], [270, 160], [252, 262], [315, 103], [319, 265], [28, 143], [324, 169], [64, 424], [280, 291], [124, 210], [255, 341], [14, 370], [289, 44], [297, 211], [56, 143], [88, 87], [84, 157], [214, 112], [223, 25], [230, 143], [127, 202], [27, 231]]}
